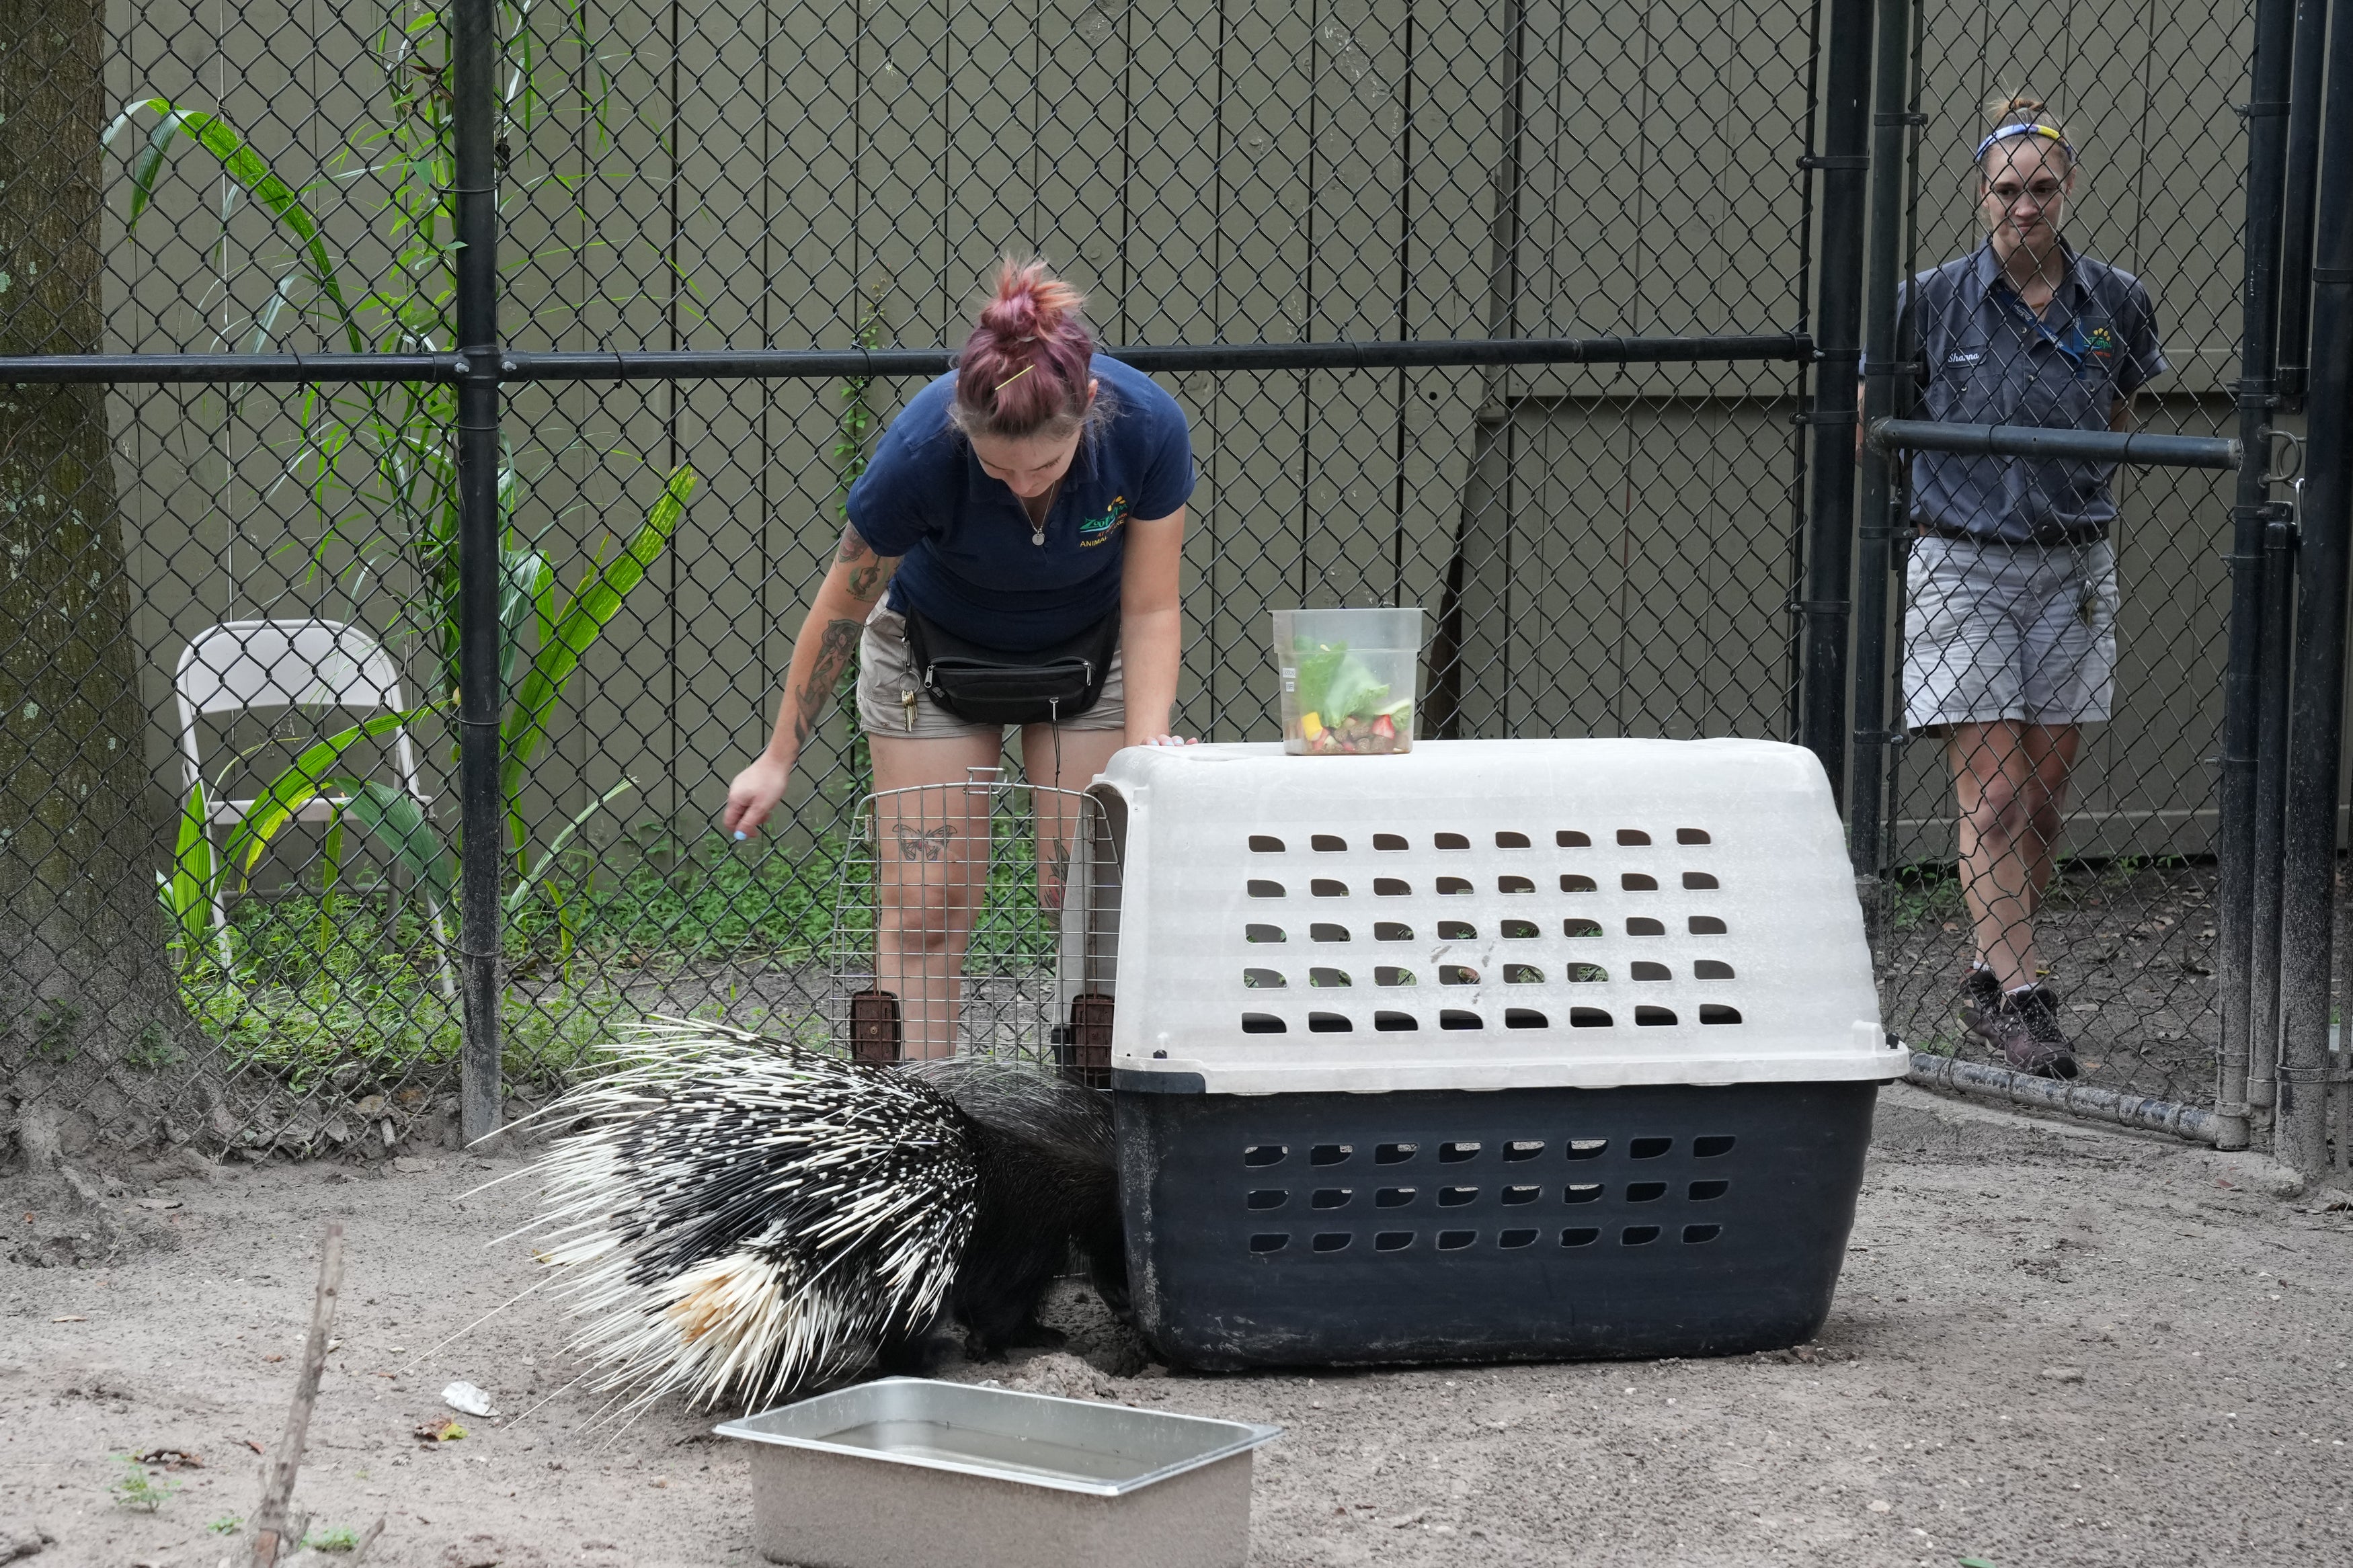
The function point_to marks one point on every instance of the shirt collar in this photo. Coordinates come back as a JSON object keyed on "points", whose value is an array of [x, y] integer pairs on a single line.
{"points": [[2070, 286]]}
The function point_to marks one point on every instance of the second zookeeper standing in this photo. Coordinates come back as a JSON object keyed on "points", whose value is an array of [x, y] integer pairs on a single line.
{"points": [[2010, 638], [1012, 557]]}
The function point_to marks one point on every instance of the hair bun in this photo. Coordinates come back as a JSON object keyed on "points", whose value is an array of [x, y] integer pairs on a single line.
{"points": [[2021, 107]]}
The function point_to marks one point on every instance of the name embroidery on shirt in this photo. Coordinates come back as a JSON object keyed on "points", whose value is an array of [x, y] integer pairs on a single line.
{"points": [[1093, 531], [1965, 356]]}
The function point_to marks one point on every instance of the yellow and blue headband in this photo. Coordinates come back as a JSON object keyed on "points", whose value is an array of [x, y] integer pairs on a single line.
{"points": [[2026, 128]]}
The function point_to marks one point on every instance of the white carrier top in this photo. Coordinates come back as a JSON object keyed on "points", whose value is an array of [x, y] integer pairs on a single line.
{"points": [[1487, 914]]}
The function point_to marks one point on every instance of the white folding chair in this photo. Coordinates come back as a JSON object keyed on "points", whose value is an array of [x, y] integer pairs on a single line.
{"points": [[238, 666]]}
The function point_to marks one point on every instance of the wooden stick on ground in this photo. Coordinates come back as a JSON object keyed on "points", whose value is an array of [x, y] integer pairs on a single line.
{"points": [[269, 1520]]}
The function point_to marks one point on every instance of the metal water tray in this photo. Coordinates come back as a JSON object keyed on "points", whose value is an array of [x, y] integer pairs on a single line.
{"points": [[909, 1471]]}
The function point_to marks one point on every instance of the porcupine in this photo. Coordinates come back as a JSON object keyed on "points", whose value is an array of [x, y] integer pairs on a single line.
{"points": [[749, 1218]]}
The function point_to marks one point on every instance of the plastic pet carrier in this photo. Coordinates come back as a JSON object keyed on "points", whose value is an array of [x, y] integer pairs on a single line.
{"points": [[1495, 1049]]}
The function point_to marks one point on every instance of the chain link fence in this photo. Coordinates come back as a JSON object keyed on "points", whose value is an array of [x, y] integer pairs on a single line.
{"points": [[1600, 491]]}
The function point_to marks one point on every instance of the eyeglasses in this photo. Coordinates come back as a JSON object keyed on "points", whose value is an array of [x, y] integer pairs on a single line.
{"points": [[2041, 191]]}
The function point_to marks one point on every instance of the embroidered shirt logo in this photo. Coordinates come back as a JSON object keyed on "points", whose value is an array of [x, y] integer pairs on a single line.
{"points": [[1093, 531], [1965, 356]]}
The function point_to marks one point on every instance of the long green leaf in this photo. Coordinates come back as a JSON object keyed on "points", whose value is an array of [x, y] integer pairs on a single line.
{"points": [[576, 630], [241, 164], [188, 891], [304, 780], [555, 845], [393, 819], [521, 573]]}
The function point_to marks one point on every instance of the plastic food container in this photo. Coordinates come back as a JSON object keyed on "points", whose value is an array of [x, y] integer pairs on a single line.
{"points": [[909, 1471], [1350, 680]]}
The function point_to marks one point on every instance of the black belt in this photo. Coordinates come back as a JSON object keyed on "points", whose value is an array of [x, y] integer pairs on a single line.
{"points": [[2073, 541]]}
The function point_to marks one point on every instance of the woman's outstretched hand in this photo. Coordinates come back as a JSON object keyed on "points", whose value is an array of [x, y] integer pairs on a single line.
{"points": [[753, 795], [1169, 741]]}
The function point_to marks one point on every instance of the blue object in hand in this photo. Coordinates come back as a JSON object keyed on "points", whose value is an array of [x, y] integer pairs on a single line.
{"points": [[741, 836]]}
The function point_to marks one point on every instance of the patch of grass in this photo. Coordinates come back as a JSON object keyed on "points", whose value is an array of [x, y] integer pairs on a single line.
{"points": [[342, 1538], [227, 1524], [687, 899], [1923, 895], [136, 1488], [318, 984]]}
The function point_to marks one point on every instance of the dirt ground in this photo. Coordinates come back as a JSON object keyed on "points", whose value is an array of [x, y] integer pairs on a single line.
{"points": [[2052, 1346]]}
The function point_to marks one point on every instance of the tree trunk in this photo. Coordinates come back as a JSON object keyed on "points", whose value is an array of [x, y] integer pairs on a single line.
{"points": [[90, 1021]]}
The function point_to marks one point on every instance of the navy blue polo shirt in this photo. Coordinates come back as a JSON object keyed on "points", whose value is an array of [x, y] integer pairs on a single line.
{"points": [[1988, 359], [964, 539]]}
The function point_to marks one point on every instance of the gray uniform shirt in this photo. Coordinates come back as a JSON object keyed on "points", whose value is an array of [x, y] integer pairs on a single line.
{"points": [[1986, 359]]}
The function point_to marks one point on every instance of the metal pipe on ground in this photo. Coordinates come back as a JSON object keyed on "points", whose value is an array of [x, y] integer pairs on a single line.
{"points": [[2317, 695], [474, 59], [1885, 368], [2087, 1101], [1845, 164], [2241, 694]]}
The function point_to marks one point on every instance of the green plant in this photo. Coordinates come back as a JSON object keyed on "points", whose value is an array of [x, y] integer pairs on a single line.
{"points": [[136, 1488], [388, 454], [54, 1028], [342, 1538], [227, 1524], [151, 1051]]}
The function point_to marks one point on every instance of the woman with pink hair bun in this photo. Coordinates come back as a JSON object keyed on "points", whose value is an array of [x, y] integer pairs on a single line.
{"points": [[1011, 560]]}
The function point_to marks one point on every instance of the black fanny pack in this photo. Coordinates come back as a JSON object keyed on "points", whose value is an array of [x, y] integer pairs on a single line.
{"points": [[989, 686]]}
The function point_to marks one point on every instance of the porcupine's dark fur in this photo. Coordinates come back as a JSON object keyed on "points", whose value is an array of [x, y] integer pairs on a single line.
{"points": [[750, 1219], [1048, 1179]]}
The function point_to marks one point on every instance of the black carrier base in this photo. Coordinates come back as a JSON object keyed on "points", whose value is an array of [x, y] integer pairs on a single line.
{"points": [[1560, 1224]]}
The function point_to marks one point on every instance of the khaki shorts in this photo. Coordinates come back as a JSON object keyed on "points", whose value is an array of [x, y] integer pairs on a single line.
{"points": [[2008, 631], [891, 702]]}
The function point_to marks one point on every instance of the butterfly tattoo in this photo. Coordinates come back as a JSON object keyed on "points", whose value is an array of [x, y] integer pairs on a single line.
{"points": [[921, 842]]}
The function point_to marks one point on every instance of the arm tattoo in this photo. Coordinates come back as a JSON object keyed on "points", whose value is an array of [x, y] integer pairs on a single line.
{"points": [[921, 842], [835, 644], [867, 569]]}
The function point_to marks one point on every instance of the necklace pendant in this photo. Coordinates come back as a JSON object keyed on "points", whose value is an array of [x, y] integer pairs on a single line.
{"points": [[1038, 537]]}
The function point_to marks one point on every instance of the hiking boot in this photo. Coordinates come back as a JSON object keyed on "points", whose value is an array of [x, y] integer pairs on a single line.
{"points": [[1983, 991], [2025, 1026]]}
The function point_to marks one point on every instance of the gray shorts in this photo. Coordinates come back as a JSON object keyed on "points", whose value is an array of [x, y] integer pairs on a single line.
{"points": [[2001, 631], [891, 702]]}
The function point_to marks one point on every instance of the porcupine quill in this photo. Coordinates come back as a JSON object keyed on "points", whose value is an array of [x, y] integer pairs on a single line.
{"points": [[749, 1219]]}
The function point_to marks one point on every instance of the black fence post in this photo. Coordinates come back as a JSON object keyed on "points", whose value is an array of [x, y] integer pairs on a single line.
{"points": [[474, 73], [2279, 567], [2305, 79], [1884, 368], [2241, 693], [1845, 164], [2316, 699]]}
